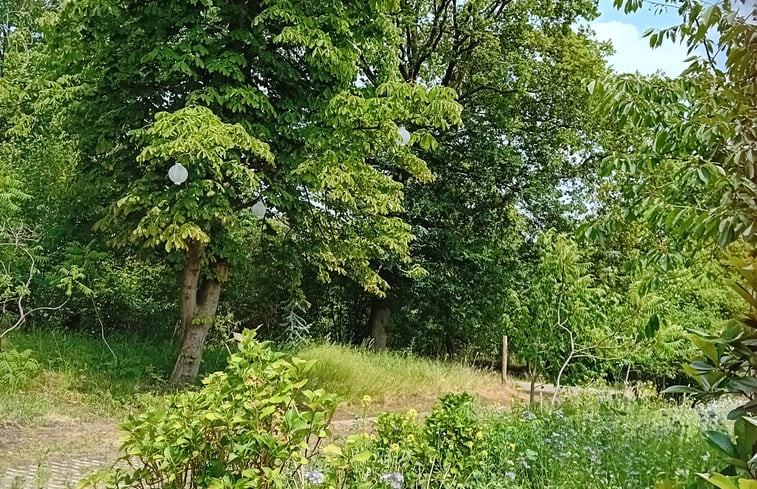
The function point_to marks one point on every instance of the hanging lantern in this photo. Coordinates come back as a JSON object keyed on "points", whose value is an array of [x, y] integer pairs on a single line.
{"points": [[403, 136], [178, 174], [259, 210]]}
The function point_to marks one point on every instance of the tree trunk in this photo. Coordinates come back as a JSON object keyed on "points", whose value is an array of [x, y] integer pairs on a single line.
{"points": [[189, 285], [378, 323], [198, 306]]}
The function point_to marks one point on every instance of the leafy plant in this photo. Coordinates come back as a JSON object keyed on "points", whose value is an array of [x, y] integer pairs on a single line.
{"points": [[252, 425], [726, 366], [17, 368]]}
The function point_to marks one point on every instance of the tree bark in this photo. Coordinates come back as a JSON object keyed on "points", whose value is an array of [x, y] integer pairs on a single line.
{"points": [[198, 306], [378, 323], [189, 285]]}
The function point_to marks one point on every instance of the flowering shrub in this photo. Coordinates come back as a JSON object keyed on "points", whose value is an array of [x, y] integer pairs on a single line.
{"points": [[445, 450], [252, 425]]}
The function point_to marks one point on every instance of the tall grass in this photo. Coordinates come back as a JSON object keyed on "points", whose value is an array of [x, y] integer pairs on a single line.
{"points": [[395, 379]]}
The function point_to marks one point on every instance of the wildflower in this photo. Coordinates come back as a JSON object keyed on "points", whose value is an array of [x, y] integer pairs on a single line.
{"points": [[682, 472], [510, 475], [313, 476], [412, 413], [366, 401], [394, 479], [479, 435], [395, 447], [528, 415]]}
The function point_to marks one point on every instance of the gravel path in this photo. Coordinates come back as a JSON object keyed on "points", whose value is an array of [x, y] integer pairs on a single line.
{"points": [[63, 474]]}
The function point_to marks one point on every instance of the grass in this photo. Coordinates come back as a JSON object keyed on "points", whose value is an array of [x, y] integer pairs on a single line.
{"points": [[79, 392], [397, 381], [604, 442]]}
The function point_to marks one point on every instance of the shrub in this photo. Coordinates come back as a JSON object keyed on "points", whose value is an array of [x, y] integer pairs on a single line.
{"points": [[17, 368], [446, 450], [252, 425]]}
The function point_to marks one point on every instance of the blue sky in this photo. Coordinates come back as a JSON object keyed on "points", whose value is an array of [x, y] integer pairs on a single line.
{"points": [[632, 52]]}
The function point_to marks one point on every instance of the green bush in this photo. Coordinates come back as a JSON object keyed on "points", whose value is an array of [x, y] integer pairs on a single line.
{"points": [[446, 450], [17, 368], [252, 425]]}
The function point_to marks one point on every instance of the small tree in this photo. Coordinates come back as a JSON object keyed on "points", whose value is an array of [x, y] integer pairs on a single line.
{"points": [[557, 315]]}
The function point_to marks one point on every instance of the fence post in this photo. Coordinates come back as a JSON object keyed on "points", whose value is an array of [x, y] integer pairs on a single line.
{"points": [[504, 359]]}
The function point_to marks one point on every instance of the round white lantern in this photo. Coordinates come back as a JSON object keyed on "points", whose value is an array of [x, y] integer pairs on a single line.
{"points": [[178, 174], [259, 210], [403, 136]]}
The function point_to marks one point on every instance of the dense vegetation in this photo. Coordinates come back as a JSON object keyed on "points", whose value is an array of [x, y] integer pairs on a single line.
{"points": [[423, 176]]}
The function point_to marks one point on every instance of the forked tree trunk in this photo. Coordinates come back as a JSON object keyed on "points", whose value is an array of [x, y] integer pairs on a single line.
{"points": [[378, 323], [198, 306]]}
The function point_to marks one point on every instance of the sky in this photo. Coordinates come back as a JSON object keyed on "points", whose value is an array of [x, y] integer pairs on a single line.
{"points": [[632, 52]]}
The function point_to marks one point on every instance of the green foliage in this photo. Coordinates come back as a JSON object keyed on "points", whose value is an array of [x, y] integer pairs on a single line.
{"points": [[725, 367], [445, 450], [691, 159], [300, 107], [613, 443], [17, 368], [559, 309], [211, 151], [250, 425]]}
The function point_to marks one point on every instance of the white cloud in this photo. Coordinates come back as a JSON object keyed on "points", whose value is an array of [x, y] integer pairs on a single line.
{"points": [[632, 52]]}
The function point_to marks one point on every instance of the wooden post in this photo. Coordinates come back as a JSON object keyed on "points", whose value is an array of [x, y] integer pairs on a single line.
{"points": [[504, 359]]}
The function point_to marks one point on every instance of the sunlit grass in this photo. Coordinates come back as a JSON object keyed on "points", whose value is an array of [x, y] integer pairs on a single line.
{"points": [[395, 380]]}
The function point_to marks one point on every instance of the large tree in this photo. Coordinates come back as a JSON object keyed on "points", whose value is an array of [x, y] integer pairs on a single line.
{"points": [[262, 102], [519, 68]]}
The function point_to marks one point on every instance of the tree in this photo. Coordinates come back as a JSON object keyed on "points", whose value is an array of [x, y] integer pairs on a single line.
{"points": [[558, 317], [262, 102], [698, 131], [692, 164], [526, 131]]}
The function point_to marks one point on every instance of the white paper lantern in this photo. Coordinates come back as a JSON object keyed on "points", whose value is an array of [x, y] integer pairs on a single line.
{"points": [[259, 210], [403, 136], [178, 174]]}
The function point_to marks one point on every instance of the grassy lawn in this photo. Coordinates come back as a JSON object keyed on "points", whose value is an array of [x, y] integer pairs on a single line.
{"points": [[78, 392]]}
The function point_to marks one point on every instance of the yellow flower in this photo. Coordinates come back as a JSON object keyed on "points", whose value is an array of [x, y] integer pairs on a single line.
{"points": [[512, 446], [412, 413], [479, 436], [395, 447], [469, 444], [366, 401], [410, 438]]}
